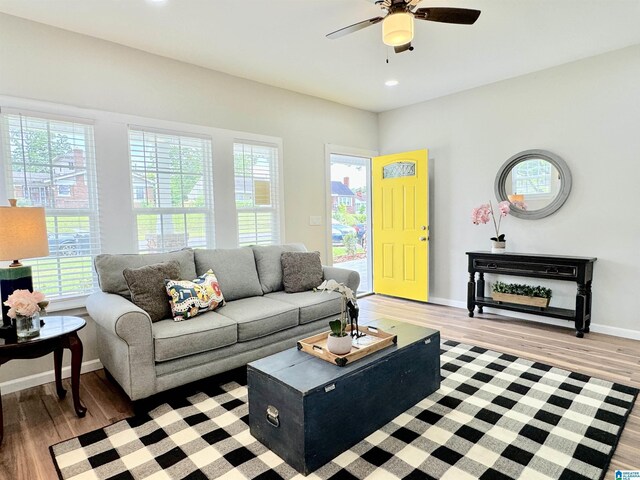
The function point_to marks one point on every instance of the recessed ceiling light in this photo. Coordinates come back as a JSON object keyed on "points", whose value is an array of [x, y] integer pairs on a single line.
{"points": [[391, 83]]}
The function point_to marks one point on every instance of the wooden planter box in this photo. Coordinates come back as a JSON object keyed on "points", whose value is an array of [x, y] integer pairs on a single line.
{"points": [[520, 299]]}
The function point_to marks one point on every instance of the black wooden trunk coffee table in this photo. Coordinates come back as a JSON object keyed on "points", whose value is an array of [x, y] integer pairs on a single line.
{"points": [[308, 411]]}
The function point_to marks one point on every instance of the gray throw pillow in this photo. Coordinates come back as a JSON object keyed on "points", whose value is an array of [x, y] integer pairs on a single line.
{"points": [[301, 271], [109, 267], [235, 269], [269, 264], [148, 292]]}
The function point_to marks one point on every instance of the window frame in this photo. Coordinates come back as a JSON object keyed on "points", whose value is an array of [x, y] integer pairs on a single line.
{"points": [[52, 214], [546, 177], [207, 178], [118, 233], [276, 208]]}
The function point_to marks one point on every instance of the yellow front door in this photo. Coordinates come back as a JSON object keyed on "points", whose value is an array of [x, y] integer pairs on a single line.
{"points": [[400, 225]]}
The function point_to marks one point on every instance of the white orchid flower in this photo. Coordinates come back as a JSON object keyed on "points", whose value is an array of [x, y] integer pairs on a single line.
{"points": [[333, 286]]}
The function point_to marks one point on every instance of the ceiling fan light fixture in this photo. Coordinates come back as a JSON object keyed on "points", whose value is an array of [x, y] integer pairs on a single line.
{"points": [[397, 29]]}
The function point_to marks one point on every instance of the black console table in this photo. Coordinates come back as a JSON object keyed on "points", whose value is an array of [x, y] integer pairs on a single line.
{"points": [[555, 267]]}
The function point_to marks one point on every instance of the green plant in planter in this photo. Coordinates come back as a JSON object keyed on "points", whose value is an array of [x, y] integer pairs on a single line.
{"points": [[520, 289], [338, 326]]}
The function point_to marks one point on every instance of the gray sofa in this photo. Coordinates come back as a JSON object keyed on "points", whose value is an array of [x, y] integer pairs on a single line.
{"points": [[259, 318]]}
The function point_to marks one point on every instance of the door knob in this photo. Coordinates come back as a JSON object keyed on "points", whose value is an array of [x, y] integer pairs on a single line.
{"points": [[423, 239]]}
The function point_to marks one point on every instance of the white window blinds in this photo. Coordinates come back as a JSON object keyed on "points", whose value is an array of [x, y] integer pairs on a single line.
{"points": [[257, 193], [171, 187], [51, 163]]}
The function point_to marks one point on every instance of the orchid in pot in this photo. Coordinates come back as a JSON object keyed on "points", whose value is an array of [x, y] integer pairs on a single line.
{"points": [[339, 341], [24, 308], [485, 212]]}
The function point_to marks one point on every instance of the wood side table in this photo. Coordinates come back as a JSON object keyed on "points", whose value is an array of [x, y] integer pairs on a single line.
{"points": [[56, 334]]}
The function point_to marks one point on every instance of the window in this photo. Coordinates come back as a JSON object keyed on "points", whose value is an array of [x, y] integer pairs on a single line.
{"points": [[64, 190], [51, 163], [532, 178], [139, 192], [257, 193], [171, 187]]}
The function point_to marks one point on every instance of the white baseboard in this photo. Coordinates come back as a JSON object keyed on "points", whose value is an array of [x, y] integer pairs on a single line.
{"points": [[595, 327], [45, 377], [448, 303], [616, 331]]}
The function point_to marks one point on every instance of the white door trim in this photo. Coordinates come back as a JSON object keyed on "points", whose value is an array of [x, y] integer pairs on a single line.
{"points": [[354, 152]]}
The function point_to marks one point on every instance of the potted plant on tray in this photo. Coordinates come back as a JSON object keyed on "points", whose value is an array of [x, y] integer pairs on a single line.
{"points": [[521, 294], [339, 341]]}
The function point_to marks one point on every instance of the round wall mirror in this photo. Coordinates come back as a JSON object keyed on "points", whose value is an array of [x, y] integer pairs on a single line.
{"points": [[536, 182]]}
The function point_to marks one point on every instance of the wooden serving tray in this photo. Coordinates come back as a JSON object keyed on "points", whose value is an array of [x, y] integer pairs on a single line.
{"points": [[373, 340]]}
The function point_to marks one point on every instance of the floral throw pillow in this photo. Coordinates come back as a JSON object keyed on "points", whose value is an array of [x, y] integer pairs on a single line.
{"points": [[189, 299]]}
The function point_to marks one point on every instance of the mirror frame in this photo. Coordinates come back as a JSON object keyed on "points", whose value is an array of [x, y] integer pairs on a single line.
{"points": [[558, 201]]}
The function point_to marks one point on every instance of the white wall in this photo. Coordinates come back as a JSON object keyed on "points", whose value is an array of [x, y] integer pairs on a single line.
{"points": [[46, 63], [52, 65], [587, 112]]}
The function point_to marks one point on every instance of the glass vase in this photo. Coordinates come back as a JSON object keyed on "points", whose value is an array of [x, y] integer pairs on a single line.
{"points": [[27, 327]]}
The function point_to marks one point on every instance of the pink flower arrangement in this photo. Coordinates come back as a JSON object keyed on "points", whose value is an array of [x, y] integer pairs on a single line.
{"points": [[25, 303], [484, 213]]}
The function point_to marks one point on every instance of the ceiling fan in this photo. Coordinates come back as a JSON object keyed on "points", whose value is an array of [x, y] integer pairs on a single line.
{"points": [[397, 24]]}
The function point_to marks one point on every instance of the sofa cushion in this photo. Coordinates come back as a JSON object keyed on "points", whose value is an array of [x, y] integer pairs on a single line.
{"points": [[146, 285], [188, 299], [301, 271], [110, 267], [235, 269], [258, 316], [208, 331], [313, 305], [269, 265]]}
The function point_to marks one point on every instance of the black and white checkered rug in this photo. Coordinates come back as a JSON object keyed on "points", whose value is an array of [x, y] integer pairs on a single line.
{"points": [[495, 417]]}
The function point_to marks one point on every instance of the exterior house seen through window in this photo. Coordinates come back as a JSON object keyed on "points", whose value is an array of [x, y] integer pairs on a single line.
{"points": [[172, 196], [257, 193], [51, 164]]}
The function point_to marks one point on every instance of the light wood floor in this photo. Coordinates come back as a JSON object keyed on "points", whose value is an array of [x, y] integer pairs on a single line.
{"points": [[36, 419]]}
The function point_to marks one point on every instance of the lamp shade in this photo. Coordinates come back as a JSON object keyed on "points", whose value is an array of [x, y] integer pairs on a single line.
{"points": [[23, 233], [397, 29]]}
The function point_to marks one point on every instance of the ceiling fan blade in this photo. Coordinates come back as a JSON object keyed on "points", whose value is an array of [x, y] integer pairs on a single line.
{"points": [[462, 16], [403, 48], [354, 28]]}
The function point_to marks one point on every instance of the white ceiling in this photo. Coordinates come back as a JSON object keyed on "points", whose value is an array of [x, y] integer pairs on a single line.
{"points": [[282, 42]]}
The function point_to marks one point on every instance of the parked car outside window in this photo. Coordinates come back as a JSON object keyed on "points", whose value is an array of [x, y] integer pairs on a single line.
{"points": [[338, 231], [69, 244]]}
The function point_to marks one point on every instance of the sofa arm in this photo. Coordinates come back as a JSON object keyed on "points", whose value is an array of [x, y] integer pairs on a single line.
{"points": [[120, 317], [350, 278]]}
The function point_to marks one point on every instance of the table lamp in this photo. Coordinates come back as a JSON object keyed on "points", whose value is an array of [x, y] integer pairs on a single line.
{"points": [[23, 234]]}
